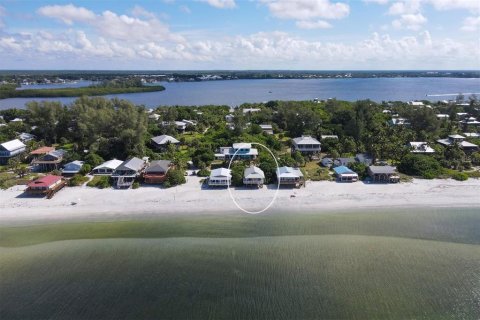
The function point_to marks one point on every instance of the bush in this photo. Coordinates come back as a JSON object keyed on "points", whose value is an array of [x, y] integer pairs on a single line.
{"points": [[93, 159], [175, 177], [136, 185], [420, 165], [100, 182], [460, 176], [86, 168], [77, 180], [203, 173]]}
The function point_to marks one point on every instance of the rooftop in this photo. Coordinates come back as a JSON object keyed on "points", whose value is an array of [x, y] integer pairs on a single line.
{"points": [[13, 145], [44, 181]]}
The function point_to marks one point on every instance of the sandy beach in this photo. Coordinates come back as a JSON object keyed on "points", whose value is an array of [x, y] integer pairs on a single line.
{"points": [[84, 203]]}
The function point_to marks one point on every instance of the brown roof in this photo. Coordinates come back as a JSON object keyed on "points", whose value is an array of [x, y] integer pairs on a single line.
{"points": [[42, 150]]}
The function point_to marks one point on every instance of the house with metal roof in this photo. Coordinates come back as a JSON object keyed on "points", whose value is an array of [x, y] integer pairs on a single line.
{"points": [[72, 168], [50, 161], [383, 174], [253, 176], [267, 128], [288, 176], [45, 186], [126, 173], [343, 161], [420, 147], [306, 145], [107, 168], [11, 149], [220, 177], [156, 171], [458, 140], [241, 151], [345, 174], [161, 142], [25, 137]]}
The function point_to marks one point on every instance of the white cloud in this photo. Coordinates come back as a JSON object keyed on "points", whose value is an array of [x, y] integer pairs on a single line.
{"points": [[407, 7], [307, 9], [472, 5], [111, 25], [471, 24], [409, 21], [67, 13], [139, 11], [376, 1], [319, 24], [185, 9], [221, 4]]}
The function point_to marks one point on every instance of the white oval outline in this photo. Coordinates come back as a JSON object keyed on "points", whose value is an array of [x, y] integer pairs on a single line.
{"points": [[276, 191]]}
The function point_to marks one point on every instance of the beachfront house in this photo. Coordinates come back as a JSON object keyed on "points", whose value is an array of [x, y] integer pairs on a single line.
{"points": [[127, 172], [50, 161], [107, 168], [306, 145], [72, 168], [420, 147], [460, 141], [253, 176], [383, 174], [220, 177], [45, 186], [11, 149], [156, 171], [345, 174], [288, 176], [242, 151], [161, 142]]}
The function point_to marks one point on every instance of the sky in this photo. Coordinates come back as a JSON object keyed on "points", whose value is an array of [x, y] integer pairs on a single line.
{"points": [[240, 35]]}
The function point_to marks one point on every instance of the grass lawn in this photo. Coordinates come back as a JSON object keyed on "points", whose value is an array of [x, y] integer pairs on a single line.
{"points": [[315, 172], [395, 265]]}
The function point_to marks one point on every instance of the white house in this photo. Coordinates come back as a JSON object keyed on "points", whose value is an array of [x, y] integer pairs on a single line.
{"points": [[72, 168], [161, 142], [107, 168], [126, 173], [250, 110], [11, 149], [267, 128], [253, 176], [459, 140], [420, 147], [229, 117], [25, 137], [416, 103], [220, 177], [306, 145], [290, 176], [243, 151]]}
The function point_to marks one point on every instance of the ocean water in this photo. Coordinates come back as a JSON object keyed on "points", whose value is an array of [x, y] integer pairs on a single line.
{"points": [[236, 92]]}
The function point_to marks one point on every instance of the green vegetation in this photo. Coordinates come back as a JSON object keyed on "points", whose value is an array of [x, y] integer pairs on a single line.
{"points": [[203, 173], [100, 90], [337, 266], [77, 180], [100, 182], [460, 176], [175, 177], [420, 165]]}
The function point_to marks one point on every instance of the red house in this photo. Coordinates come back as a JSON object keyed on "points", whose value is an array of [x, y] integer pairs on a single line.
{"points": [[46, 186], [156, 172]]}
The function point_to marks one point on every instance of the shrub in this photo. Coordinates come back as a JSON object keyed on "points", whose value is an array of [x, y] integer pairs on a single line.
{"points": [[100, 182], [77, 180], [203, 173], [86, 168], [93, 159], [460, 176], [175, 177], [136, 185], [420, 165]]}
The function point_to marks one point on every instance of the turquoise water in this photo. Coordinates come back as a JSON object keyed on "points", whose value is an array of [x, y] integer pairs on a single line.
{"points": [[236, 92]]}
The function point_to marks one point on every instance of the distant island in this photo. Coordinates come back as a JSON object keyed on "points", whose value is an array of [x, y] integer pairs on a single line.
{"points": [[116, 86], [27, 77]]}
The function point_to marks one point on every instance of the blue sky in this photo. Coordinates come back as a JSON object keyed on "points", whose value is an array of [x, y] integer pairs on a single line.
{"points": [[240, 34]]}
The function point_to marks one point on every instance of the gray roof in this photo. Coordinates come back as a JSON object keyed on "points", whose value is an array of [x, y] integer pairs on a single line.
{"points": [[13, 145], [134, 164], [382, 169], [364, 158], [164, 139], [158, 166], [289, 172], [253, 172], [306, 140], [343, 161]]}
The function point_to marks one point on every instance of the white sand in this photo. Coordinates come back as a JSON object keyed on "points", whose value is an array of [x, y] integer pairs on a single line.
{"points": [[191, 199]]}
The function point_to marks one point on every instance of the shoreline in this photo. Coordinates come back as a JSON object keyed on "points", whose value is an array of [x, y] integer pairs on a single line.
{"points": [[190, 199]]}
